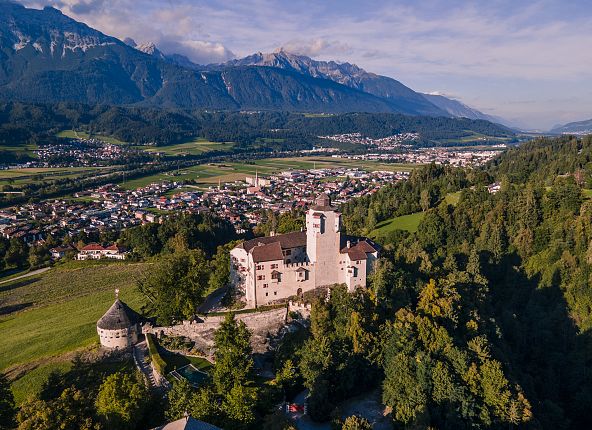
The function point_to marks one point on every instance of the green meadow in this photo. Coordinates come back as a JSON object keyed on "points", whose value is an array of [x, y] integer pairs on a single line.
{"points": [[409, 222], [405, 222], [56, 312]]}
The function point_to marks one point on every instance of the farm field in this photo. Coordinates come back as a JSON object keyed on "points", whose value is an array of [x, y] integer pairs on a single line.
{"points": [[30, 175], [208, 174], [56, 312], [193, 147]]}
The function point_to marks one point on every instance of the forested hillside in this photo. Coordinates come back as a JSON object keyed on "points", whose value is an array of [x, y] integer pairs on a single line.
{"points": [[22, 123], [485, 313]]}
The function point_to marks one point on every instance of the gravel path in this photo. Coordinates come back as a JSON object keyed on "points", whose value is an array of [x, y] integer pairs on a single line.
{"points": [[26, 275]]}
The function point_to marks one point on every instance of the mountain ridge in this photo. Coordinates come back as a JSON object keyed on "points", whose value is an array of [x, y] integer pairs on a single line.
{"points": [[45, 56], [576, 127]]}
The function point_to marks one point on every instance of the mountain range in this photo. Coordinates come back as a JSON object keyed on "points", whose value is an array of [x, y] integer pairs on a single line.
{"points": [[46, 56], [578, 127]]}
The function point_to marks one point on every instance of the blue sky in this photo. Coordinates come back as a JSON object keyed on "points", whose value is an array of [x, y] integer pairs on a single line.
{"points": [[527, 61]]}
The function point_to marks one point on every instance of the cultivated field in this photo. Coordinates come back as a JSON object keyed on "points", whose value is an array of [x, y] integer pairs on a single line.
{"points": [[193, 147], [209, 174], [38, 174]]}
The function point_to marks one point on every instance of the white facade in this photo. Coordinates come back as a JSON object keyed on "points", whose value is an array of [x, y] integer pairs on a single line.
{"points": [[274, 268], [96, 252], [118, 339]]}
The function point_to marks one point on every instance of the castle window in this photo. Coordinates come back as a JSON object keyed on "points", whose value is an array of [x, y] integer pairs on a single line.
{"points": [[275, 293], [266, 294], [265, 286], [260, 277], [260, 266], [274, 266]]}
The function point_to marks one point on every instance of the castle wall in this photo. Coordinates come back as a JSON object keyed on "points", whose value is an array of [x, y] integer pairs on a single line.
{"points": [[118, 339]]}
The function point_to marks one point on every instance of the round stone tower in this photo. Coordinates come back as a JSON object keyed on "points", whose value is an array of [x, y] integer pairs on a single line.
{"points": [[119, 327]]}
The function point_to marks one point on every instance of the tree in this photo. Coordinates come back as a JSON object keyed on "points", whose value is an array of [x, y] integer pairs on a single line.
{"points": [[287, 378], [278, 421], [176, 286], [17, 253], [234, 364], [7, 406], [239, 406], [70, 411], [121, 400], [220, 267], [356, 423], [179, 400]]}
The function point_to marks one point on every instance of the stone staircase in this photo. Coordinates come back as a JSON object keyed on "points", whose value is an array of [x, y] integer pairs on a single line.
{"points": [[142, 363]]}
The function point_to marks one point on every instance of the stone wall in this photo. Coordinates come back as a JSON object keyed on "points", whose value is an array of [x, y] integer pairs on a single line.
{"points": [[201, 331]]}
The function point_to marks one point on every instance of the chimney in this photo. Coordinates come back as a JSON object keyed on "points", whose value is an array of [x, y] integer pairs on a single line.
{"points": [[272, 233], [348, 244]]}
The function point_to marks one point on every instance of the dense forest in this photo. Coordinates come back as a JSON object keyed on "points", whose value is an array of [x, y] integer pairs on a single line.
{"points": [[487, 308], [34, 123]]}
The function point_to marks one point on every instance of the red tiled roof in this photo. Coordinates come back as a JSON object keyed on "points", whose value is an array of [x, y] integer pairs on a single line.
{"points": [[286, 241], [356, 254], [92, 247], [268, 252]]}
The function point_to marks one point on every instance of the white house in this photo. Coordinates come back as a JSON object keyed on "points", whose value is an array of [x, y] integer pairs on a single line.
{"points": [[95, 251]]}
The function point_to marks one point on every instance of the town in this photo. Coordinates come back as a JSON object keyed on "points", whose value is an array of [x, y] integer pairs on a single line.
{"points": [[385, 144], [243, 202], [460, 157]]}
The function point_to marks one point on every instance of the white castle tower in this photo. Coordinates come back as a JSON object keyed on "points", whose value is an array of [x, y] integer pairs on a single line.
{"points": [[323, 239]]}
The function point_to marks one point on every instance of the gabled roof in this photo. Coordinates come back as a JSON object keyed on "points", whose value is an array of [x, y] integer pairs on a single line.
{"points": [[359, 247], [119, 316], [268, 252], [286, 241], [356, 254]]}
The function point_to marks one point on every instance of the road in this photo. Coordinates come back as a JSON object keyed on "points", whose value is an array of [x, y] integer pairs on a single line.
{"points": [[26, 275], [212, 302]]}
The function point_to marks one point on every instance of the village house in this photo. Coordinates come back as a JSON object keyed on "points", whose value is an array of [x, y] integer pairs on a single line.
{"points": [[269, 269], [95, 251]]}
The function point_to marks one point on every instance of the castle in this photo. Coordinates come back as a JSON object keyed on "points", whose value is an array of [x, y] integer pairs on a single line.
{"points": [[273, 268]]}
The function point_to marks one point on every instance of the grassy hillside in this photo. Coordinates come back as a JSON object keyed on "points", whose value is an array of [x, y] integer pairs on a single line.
{"points": [[406, 222], [409, 222], [61, 308]]}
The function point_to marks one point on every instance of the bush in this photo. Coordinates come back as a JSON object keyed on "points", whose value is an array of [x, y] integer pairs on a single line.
{"points": [[157, 361]]}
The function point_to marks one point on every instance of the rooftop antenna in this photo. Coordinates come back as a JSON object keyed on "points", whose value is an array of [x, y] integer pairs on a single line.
{"points": [[116, 293]]}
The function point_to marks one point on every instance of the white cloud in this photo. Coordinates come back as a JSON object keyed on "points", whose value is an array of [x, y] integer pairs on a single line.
{"points": [[317, 46]]}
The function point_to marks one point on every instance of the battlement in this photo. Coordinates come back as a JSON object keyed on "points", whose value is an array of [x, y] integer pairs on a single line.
{"points": [[298, 264]]}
